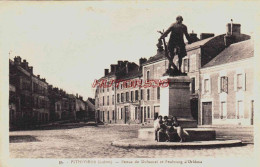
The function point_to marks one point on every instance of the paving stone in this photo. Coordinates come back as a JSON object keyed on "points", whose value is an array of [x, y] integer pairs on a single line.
{"points": [[95, 142]]}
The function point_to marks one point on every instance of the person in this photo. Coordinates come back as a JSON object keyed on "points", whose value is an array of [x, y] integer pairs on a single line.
{"points": [[179, 129], [176, 40], [162, 132], [157, 126]]}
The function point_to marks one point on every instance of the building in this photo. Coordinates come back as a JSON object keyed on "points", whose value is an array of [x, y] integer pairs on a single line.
{"points": [[118, 103], [29, 95], [147, 107], [90, 109], [227, 86]]}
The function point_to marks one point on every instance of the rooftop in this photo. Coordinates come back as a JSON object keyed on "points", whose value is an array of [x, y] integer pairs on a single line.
{"points": [[234, 52]]}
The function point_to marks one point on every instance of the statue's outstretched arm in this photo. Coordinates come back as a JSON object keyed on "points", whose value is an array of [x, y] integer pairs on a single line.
{"points": [[166, 32]]}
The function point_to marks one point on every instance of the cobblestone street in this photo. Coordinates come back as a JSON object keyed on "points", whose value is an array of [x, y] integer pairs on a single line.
{"points": [[95, 142]]}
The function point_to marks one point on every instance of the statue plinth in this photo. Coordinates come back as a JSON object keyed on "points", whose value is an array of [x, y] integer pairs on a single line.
{"points": [[175, 100]]}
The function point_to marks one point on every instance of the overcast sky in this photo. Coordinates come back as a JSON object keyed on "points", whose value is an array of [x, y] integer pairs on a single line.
{"points": [[71, 43]]}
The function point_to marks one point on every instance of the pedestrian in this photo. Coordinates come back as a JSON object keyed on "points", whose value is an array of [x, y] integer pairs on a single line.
{"points": [[179, 129], [157, 126]]}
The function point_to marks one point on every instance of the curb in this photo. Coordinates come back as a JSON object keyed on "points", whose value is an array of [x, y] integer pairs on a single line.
{"points": [[137, 143]]}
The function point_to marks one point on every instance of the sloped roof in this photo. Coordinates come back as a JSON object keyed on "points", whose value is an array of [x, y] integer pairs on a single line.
{"points": [[161, 55], [91, 100], [133, 73], [234, 52], [198, 43], [158, 56]]}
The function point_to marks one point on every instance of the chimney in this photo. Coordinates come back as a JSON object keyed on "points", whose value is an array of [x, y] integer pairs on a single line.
{"points": [[44, 80], [106, 71], [25, 64], [194, 37], [30, 69], [119, 63], [17, 60], [77, 95], [142, 61], [206, 35], [127, 67], [81, 98], [233, 29], [38, 76], [113, 68]]}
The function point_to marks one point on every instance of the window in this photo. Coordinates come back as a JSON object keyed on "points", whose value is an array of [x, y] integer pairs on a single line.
{"points": [[206, 85], [223, 111], [122, 97], [127, 96], [158, 93], [108, 115], [192, 85], [239, 81], [142, 92], [121, 85], [136, 112], [148, 112], [113, 116], [108, 100], [118, 98], [145, 115], [148, 94], [136, 95], [147, 75], [186, 65], [118, 113], [240, 110], [132, 96], [113, 86], [108, 86], [113, 99], [121, 113], [103, 100], [224, 84]]}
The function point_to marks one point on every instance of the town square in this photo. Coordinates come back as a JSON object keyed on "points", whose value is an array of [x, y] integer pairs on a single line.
{"points": [[104, 83]]}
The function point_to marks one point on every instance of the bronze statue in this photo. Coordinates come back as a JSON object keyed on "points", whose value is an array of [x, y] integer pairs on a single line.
{"points": [[176, 45]]}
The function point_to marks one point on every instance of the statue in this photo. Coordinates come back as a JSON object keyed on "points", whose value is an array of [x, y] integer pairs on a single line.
{"points": [[176, 45]]}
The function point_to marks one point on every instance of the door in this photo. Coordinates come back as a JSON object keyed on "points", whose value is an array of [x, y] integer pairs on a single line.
{"points": [[141, 114], [194, 108], [156, 111], [207, 113], [126, 114]]}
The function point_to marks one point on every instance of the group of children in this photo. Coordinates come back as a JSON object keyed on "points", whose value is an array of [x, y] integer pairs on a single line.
{"points": [[168, 130]]}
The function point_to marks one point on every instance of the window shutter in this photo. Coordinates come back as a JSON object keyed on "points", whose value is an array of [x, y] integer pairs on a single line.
{"points": [[226, 84], [209, 85], [244, 82], [202, 86], [219, 84], [235, 82], [188, 64]]}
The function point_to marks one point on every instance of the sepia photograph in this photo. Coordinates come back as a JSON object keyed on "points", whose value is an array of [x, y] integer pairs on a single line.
{"points": [[129, 83]]}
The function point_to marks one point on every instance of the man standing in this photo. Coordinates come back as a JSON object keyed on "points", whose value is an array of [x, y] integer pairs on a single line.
{"points": [[157, 126], [176, 39]]}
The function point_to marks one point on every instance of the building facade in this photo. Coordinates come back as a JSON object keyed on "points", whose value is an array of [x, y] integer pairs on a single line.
{"points": [[33, 101], [227, 84], [31, 95]]}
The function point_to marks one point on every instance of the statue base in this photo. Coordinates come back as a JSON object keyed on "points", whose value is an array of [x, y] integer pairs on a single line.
{"points": [[175, 100]]}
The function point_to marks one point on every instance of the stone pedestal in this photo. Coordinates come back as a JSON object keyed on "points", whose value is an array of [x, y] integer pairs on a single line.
{"points": [[175, 100]]}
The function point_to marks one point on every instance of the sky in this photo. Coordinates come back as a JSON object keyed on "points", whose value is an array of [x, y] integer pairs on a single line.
{"points": [[71, 43]]}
